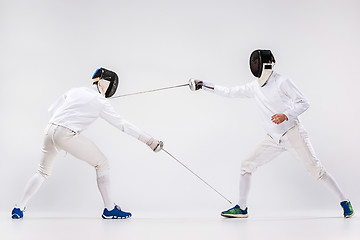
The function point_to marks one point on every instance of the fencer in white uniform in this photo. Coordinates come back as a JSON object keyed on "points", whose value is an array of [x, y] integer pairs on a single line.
{"points": [[280, 103], [71, 114]]}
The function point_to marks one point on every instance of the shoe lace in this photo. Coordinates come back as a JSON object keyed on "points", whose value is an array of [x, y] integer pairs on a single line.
{"points": [[23, 210]]}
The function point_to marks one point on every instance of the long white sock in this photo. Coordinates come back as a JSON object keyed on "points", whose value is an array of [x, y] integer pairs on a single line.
{"points": [[103, 182], [31, 188], [330, 182], [245, 180]]}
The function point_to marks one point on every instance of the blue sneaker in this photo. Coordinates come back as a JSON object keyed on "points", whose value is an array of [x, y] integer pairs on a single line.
{"points": [[17, 213], [115, 213], [348, 210], [235, 212]]}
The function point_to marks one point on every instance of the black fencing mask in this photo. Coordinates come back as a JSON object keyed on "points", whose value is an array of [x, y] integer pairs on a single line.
{"points": [[258, 58], [110, 76]]}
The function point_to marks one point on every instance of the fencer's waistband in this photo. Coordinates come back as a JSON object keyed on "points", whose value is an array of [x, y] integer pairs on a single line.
{"points": [[57, 125], [278, 140]]}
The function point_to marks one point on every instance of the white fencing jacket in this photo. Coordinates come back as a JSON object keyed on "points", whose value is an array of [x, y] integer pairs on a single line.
{"points": [[79, 107], [279, 95]]}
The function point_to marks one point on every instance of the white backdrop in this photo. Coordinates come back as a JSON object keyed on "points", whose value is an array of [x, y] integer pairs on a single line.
{"points": [[47, 47]]}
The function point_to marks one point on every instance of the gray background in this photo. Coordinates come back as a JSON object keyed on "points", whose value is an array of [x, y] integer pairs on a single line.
{"points": [[47, 47]]}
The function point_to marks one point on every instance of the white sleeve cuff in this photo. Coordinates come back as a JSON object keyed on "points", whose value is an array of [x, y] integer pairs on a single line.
{"points": [[207, 86], [144, 138]]}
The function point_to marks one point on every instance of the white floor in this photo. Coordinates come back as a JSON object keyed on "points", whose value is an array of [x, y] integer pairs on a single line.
{"points": [[304, 225]]}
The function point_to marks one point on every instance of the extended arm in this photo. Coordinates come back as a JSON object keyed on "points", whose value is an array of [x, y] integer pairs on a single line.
{"points": [[111, 116], [243, 91]]}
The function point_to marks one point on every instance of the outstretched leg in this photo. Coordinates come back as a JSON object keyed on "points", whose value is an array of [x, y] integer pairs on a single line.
{"points": [[31, 188], [330, 182], [299, 143], [45, 167]]}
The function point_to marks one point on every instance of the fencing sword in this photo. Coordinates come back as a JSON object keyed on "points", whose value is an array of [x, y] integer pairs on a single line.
{"points": [[153, 90], [192, 84], [162, 148]]}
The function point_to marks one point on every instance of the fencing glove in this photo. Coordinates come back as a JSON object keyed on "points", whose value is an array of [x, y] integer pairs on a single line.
{"points": [[195, 85], [155, 145]]}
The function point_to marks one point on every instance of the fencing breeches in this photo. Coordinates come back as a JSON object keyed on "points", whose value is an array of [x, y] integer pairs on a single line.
{"points": [[61, 138], [296, 141]]}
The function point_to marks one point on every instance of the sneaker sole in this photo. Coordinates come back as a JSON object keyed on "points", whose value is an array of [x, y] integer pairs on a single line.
{"points": [[235, 215], [349, 216], [114, 217], [15, 216]]}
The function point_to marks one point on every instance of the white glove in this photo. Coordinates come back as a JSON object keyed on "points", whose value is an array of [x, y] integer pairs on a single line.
{"points": [[155, 145], [195, 84]]}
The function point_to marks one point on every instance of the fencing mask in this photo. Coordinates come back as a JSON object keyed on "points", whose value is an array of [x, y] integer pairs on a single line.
{"points": [[257, 60], [109, 76]]}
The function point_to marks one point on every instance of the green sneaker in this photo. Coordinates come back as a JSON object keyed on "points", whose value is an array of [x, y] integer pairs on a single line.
{"points": [[348, 210], [235, 212]]}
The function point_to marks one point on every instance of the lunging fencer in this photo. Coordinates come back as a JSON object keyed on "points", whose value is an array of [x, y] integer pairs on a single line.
{"points": [[280, 104], [71, 114]]}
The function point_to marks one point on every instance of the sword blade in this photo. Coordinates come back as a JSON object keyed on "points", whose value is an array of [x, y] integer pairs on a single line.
{"points": [[153, 90], [196, 175]]}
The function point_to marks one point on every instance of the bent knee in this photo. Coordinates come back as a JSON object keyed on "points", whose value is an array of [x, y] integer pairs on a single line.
{"points": [[317, 172], [248, 167], [103, 164], [43, 173], [321, 174]]}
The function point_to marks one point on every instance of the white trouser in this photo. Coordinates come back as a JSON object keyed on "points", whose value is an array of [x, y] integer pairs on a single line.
{"points": [[61, 138], [296, 141]]}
